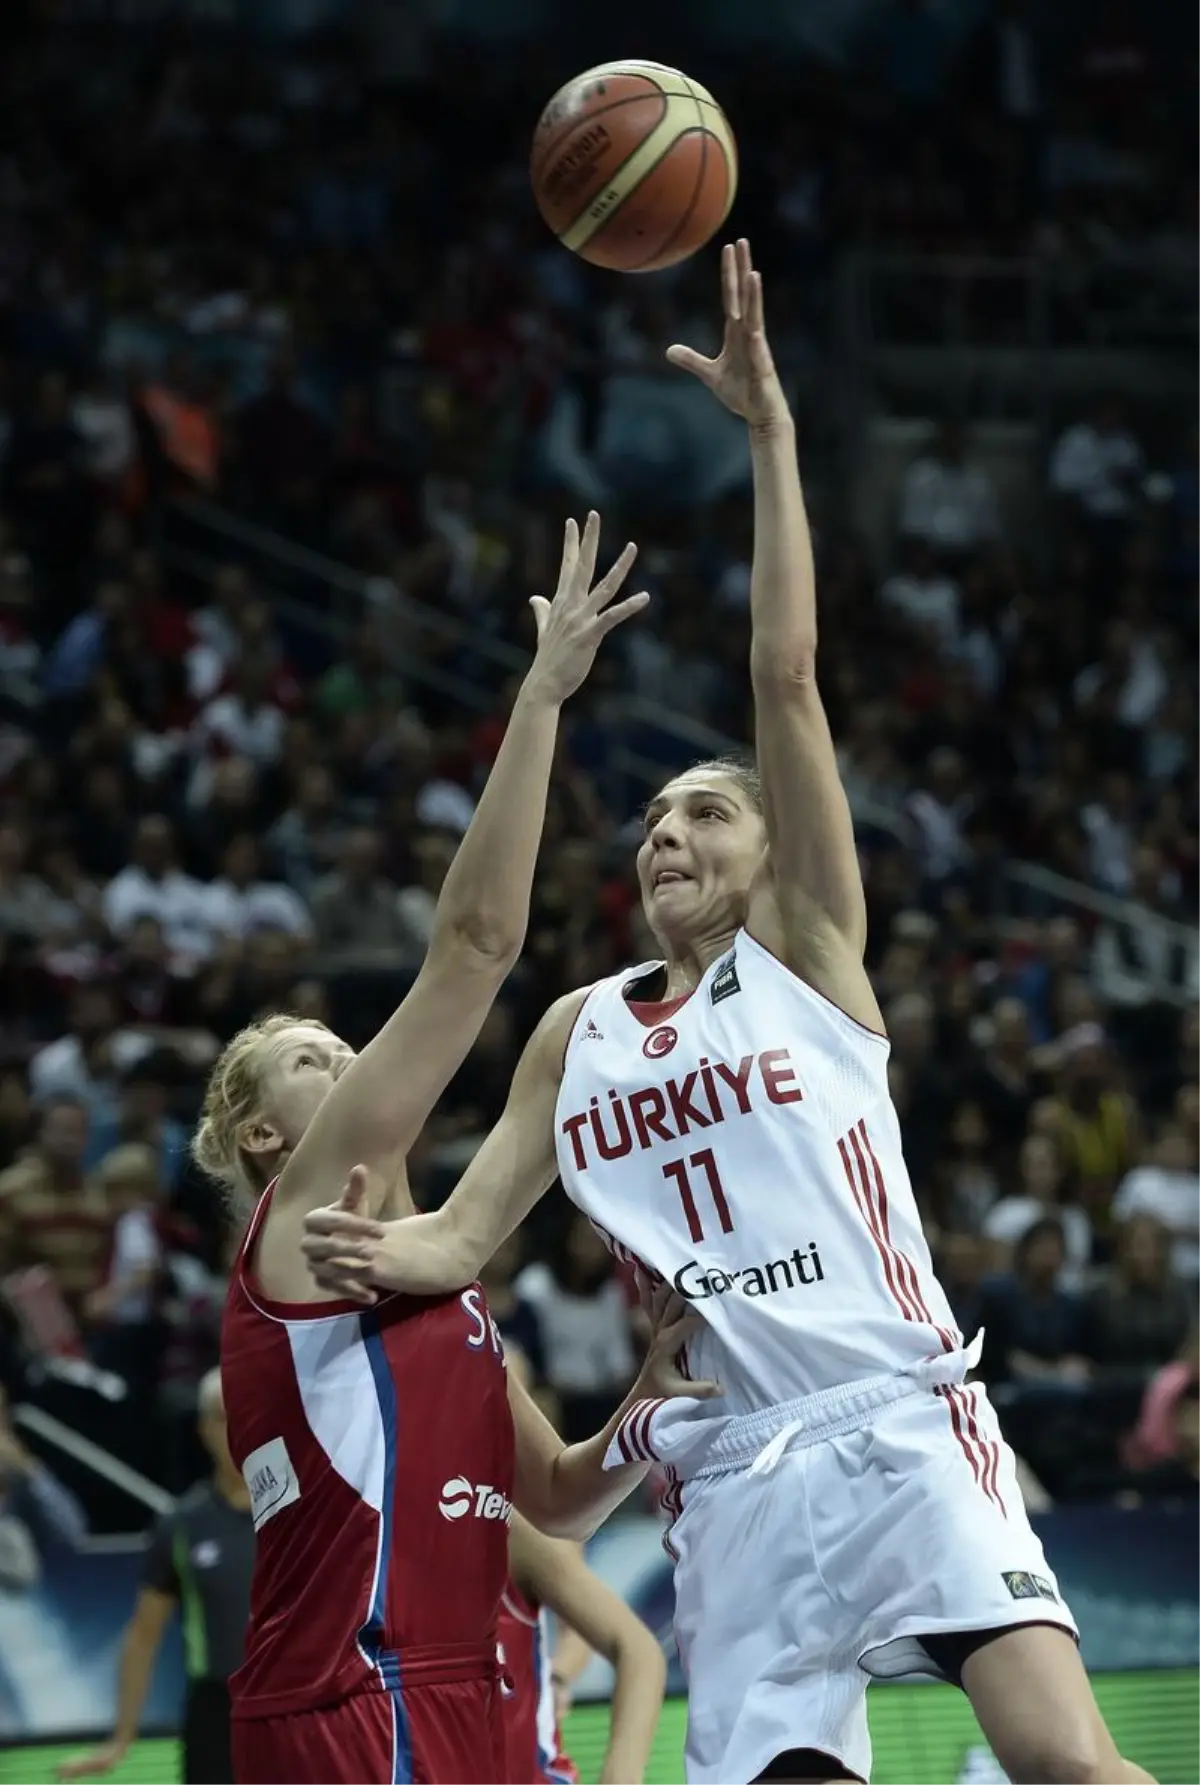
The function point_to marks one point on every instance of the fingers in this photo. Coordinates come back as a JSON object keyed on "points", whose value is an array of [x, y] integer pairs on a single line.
{"points": [[730, 294], [541, 612], [355, 1194], [745, 273], [570, 554], [688, 360], [754, 305], [616, 615], [589, 545], [606, 588], [339, 1220]]}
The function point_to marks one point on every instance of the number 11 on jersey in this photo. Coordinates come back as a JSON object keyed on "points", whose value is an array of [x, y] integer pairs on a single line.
{"points": [[679, 1173]]}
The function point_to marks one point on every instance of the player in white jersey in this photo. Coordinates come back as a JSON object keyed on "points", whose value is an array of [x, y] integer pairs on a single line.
{"points": [[848, 1509]]}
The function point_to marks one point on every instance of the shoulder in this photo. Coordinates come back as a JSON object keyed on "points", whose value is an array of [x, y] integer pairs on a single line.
{"points": [[548, 1043]]}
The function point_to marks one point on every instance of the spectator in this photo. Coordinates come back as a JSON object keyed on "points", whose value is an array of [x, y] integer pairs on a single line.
{"points": [[581, 1307], [1095, 1122], [84, 1063], [1139, 1316], [356, 912], [141, 1118], [154, 886], [1034, 1329], [1166, 1186], [50, 1215], [307, 841], [1097, 465], [947, 502], [1039, 1196], [241, 901], [926, 596]]}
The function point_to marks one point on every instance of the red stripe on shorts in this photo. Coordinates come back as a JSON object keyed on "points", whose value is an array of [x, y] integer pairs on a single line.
{"points": [[982, 1455]]}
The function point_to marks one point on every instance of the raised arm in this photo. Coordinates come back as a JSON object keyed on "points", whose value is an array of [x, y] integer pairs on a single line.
{"points": [[554, 1574], [350, 1255], [378, 1106], [811, 906]]}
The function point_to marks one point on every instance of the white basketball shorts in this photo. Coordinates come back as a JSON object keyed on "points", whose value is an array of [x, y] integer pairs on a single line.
{"points": [[859, 1529]]}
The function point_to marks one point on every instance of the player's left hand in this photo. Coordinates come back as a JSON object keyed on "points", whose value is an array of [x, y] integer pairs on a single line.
{"points": [[743, 374], [673, 1323]]}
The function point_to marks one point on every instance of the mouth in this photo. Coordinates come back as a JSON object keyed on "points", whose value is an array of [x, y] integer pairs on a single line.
{"points": [[669, 877]]}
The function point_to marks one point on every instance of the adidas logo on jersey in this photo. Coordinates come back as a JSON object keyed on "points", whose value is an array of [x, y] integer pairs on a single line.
{"points": [[725, 981], [460, 1497], [591, 1033]]}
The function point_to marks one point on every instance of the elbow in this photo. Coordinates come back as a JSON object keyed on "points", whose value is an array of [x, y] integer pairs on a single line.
{"points": [[572, 1525], [785, 666], [477, 942]]}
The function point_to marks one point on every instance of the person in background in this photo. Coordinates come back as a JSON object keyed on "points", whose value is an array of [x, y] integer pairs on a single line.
{"points": [[585, 1325], [33, 1505], [1040, 1193], [198, 1564], [1034, 1331], [1139, 1316], [549, 1575]]}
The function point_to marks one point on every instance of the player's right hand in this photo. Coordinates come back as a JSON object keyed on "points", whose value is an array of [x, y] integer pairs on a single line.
{"points": [[673, 1323], [570, 628], [340, 1243], [99, 1760]]}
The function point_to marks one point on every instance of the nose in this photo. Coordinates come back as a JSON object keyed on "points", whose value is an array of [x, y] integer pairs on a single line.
{"points": [[665, 832]]}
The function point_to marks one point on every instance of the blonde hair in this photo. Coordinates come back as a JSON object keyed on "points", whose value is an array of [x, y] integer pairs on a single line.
{"points": [[231, 1099]]}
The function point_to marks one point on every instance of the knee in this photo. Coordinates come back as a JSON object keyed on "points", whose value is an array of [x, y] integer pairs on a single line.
{"points": [[1064, 1757]]}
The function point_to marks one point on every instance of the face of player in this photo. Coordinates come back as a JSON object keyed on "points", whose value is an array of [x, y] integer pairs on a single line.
{"points": [[304, 1064], [702, 847]]}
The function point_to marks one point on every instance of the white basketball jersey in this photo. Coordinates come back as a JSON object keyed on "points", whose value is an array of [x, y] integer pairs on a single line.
{"points": [[745, 1147]]}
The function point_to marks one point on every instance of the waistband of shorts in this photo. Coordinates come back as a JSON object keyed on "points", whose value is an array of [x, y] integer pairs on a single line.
{"points": [[382, 1670], [759, 1439], [808, 1420], [436, 1664]]}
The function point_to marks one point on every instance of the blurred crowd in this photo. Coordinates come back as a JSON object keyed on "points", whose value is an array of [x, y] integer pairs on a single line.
{"points": [[272, 286]]}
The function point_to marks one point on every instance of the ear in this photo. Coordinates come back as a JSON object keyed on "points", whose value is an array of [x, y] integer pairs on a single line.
{"points": [[260, 1137]]}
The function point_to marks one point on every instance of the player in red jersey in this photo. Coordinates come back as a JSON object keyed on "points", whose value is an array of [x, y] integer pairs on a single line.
{"points": [[375, 1434], [548, 1575]]}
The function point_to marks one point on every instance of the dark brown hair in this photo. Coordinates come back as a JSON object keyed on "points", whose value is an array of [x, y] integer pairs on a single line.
{"points": [[740, 767]]}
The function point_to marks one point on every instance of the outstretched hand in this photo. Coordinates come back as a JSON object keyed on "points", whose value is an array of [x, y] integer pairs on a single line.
{"points": [[743, 374], [571, 627]]}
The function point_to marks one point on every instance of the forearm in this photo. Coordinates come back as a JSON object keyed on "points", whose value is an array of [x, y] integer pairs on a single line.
{"points": [[783, 606], [641, 1676], [581, 1492], [486, 894], [134, 1671]]}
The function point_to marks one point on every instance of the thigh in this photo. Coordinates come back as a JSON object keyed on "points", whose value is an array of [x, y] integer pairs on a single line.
{"points": [[1035, 1705], [770, 1667], [931, 1535]]}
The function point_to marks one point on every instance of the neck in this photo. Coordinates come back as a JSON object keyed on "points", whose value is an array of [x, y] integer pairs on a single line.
{"points": [[687, 965], [231, 1487]]}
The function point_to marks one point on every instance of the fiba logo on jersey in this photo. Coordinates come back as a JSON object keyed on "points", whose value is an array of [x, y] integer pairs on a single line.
{"points": [[660, 1042], [725, 980]]}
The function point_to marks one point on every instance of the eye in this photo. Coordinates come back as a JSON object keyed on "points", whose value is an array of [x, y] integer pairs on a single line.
{"points": [[306, 1059], [710, 812]]}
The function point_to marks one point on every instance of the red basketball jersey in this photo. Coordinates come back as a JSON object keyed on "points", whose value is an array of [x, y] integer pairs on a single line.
{"points": [[377, 1445], [532, 1746]]}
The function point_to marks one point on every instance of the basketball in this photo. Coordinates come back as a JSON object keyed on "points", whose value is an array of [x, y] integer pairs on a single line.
{"points": [[634, 166]]}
